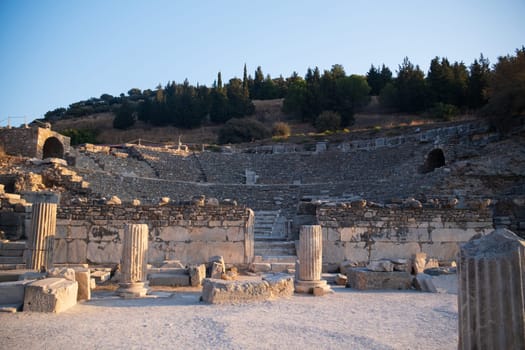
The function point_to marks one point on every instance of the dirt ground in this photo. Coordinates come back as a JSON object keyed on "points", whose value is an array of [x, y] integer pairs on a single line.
{"points": [[346, 319]]}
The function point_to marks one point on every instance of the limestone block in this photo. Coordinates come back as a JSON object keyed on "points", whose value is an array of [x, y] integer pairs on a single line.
{"points": [[384, 250], [341, 279], [50, 295], [455, 234], [172, 264], [216, 291], [260, 267], [60, 251], [104, 233], [380, 266], [197, 274], [233, 252], [62, 272], [13, 292], [340, 251], [100, 276], [114, 200], [352, 234], [347, 264], [216, 270], [331, 234], [77, 251], [174, 233], [419, 261], [363, 279], [168, 279], [281, 267], [280, 285], [83, 278], [446, 251], [104, 252], [423, 282]]}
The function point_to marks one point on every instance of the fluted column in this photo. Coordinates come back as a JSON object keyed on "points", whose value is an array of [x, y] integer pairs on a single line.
{"points": [[310, 259], [491, 288], [133, 265], [42, 235]]}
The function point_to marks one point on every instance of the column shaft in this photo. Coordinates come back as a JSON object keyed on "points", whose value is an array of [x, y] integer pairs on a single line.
{"points": [[43, 226], [133, 265]]}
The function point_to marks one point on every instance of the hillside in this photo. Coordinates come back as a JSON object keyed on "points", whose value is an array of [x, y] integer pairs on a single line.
{"points": [[369, 122]]}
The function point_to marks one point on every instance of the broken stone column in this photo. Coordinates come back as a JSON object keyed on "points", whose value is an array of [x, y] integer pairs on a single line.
{"points": [[133, 265], [310, 260], [42, 236], [491, 288]]}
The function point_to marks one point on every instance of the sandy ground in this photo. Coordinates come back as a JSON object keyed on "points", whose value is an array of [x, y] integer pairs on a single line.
{"points": [[346, 319]]}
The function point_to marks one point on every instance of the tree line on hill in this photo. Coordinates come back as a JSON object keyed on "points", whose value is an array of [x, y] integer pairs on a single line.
{"points": [[446, 90]]}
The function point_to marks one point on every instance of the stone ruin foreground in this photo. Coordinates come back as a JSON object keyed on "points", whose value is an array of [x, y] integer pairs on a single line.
{"points": [[379, 212]]}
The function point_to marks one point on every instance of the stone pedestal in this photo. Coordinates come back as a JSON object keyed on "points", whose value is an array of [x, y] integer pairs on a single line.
{"points": [[134, 261], [491, 288], [310, 260], [42, 236]]}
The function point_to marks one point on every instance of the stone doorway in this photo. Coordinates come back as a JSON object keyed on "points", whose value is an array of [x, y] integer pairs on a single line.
{"points": [[53, 148], [435, 159]]}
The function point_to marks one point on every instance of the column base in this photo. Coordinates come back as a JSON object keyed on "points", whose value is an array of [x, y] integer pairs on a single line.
{"points": [[132, 290], [308, 286]]}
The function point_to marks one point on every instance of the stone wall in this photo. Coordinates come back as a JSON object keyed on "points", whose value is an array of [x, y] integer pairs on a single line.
{"points": [[30, 142], [364, 234], [192, 234]]}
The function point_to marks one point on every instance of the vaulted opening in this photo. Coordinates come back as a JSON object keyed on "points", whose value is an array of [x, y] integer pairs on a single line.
{"points": [[53, 148], [435, 159]]}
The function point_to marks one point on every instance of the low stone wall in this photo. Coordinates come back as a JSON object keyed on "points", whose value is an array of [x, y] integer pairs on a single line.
{"points": [[191, 234], [364, 234]]}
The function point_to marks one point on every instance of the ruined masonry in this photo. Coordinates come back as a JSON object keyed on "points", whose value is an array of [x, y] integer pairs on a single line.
{"points": [[134, 261], [491, 288], [43, 226]]}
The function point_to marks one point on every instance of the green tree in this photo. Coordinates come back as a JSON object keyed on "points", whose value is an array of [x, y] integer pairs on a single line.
{"points": [[328, 121], [242, 130], [506, 90], [411, 87], [378, 78], [479, 74], [124, 117]]}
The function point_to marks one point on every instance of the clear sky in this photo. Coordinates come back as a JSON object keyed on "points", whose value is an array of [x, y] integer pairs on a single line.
{"points": [[56, 52]]}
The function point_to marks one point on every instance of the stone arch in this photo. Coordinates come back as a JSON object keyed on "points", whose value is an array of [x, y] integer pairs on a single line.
{"points": [[53, 148], [435, 159]]}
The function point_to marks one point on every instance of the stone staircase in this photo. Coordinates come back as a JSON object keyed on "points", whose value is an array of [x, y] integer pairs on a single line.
{"points": [[273, 252], [202, 174], [12, 255]]}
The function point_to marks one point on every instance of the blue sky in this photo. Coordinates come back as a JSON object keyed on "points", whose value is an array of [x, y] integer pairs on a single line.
{"points": [[56, 52]]}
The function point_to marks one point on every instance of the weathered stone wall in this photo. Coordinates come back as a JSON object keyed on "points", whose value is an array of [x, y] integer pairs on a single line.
{"points": [[364, 234], [192, 234], [29, 142]]}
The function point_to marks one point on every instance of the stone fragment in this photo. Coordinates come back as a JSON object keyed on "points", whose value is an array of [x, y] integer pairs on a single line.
{"points": [[50, 295], [318, 291], [62, 272], [197, 274], [419, 261], [260, 267], [172, 263], [164, 201], [216, 291], [169, 279], [423, 282], [100, 276], [364, 279], [380, 266], [412, 203], [83, 278], [92, 283], [341, 279], [212, 202], [360, 203], [114, 200], [13, 292], [217, 270], [431, 263], [347, 264], [135, 203], [280, 285]]}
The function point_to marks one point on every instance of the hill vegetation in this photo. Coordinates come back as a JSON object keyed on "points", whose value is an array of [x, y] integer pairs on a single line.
{"points": [[326, 101]]}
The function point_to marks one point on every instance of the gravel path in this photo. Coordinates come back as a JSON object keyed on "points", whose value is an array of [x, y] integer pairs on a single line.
{"points": [[347, 319]]}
